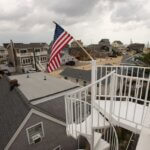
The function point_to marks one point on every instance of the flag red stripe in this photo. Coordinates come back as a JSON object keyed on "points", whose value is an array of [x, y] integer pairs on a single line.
{"points": [[58, 58], [56, 42], [56, 49], [59, 42], [49, 69], [57, 62], [54, 64], [61, 47]]}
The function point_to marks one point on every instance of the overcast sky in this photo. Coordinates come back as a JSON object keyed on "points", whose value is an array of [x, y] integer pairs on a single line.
{"points": [[88, 20]]}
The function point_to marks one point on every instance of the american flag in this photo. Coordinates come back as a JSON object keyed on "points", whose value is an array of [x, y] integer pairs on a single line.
{"points": [[61, 39]]}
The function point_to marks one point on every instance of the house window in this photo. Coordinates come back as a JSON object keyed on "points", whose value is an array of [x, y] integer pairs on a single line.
{"points": [[58, 148], [26, 61], [37, 50], [45, 58], [35, 133], [23, 51], [23, 61]]}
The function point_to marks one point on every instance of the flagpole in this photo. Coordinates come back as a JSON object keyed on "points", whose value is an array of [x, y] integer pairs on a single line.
{"points": [[83, 49]]}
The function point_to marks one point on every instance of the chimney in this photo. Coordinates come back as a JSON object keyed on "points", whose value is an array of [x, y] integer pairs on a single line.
{"points": [[13, 84]]}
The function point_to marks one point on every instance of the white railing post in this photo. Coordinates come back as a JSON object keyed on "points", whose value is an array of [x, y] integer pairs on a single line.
{"points": [[93, 95], [112, 93]]}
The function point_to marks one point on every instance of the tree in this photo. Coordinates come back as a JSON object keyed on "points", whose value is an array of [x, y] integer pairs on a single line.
{"points": [[145, 58]]}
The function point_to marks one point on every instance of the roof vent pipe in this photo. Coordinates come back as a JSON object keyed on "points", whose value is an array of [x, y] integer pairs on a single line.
{"points": [[27, 75], [45, 78]]}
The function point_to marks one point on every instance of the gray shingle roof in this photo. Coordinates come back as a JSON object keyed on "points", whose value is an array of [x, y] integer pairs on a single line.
{"points": [[54, 107], [35, 87], [77, 73], [12, 111]]}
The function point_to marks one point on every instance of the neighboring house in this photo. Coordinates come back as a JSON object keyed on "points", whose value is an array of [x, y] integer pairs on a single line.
{"points": [[138, 47], [103, 46], [102, 49], [3, 55], [119, 46], [26, 57], [32, 112], [66, 57]]}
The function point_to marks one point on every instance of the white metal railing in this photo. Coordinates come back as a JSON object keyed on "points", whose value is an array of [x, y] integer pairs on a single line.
{"points": [[127, 98], [84, 118], [133, 71], [41, 53], [27, 54]]}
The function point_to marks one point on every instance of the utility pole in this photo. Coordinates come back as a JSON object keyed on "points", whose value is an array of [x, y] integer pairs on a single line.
{"points": [[34, 57]]}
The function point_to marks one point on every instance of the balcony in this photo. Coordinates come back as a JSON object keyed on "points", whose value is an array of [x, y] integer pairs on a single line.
{"points": [[24, 54], [28, 54], [41, 53]]}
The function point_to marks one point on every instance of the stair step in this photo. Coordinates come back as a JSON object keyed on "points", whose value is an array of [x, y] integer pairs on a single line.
{"points": [[85, 126], [102, 145], [97, 138]]}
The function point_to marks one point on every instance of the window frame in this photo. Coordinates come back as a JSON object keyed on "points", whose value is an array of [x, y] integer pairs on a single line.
{"points": [[27, 131], [23, 51]]}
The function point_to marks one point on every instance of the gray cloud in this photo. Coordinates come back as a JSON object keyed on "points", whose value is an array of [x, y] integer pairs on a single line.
{"points": [[68, 8], [65, 12], [76, 8], [21, 10], [30, 18], [132, 10]]}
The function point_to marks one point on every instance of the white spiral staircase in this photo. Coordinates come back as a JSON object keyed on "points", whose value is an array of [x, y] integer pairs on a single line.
{"points": [[119, 97]]}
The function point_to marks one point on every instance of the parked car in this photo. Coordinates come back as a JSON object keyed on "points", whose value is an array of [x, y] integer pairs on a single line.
{"points": [[70, 63]]}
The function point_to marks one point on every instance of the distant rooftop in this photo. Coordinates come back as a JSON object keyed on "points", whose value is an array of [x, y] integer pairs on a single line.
{"points": [[35, 87], [26, 45], [83, 74]]}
